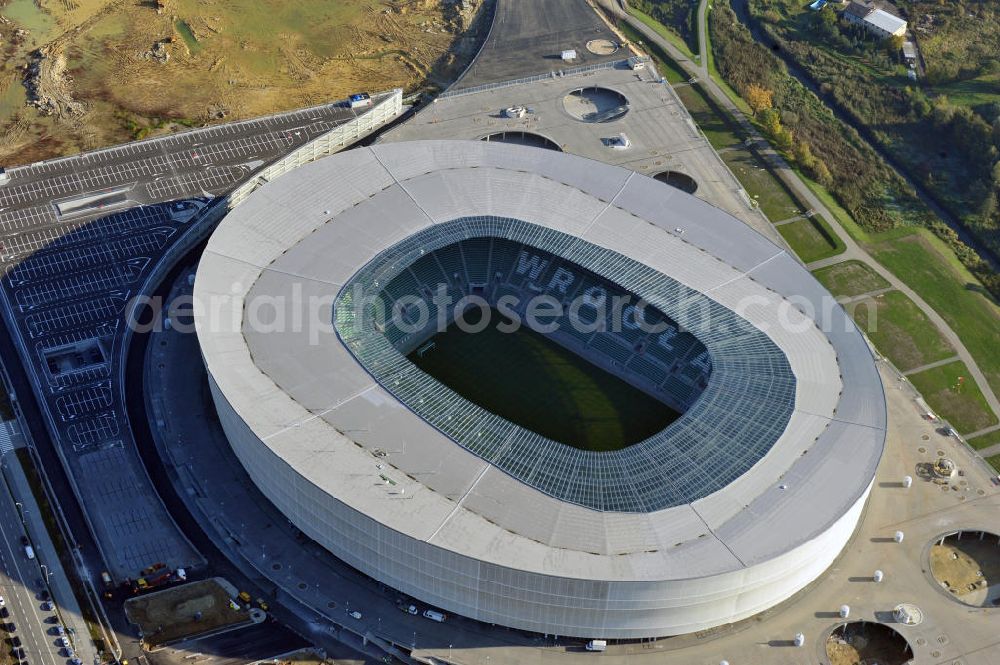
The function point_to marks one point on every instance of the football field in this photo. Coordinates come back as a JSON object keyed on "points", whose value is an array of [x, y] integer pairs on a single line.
{"points": [[532, 381]]}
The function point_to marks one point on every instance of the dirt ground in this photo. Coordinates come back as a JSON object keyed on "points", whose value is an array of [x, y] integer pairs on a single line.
{"points": [[79, 74], [165, 616], [878, 645], [967, 567]]}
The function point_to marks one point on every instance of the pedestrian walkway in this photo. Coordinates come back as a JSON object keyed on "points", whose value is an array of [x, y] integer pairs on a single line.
{"points": [[939, 363]]}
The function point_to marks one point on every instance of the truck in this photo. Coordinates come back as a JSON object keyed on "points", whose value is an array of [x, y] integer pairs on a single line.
{"points": [[597, 645], [434, 615]]}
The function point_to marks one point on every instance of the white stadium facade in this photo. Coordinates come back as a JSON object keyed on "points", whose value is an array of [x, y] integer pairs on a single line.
{"points": [[737, 505]]}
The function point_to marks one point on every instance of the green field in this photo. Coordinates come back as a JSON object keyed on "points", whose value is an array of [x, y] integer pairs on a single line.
{"points": [[952, 292], [763, 187], [986, 440], [811, 239], [994, 462], [962, 405], [537, 384], [900, 331], [849, 279]]}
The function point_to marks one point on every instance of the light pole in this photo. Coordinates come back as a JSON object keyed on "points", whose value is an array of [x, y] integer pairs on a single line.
{"points": [[45, 569], [20, 510]]}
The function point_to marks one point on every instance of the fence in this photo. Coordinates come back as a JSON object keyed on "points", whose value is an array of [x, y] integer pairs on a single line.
{"points": [[572, 71]]}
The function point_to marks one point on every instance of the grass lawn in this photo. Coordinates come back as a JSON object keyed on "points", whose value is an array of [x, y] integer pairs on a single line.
{"points": [[994, 462], [763, 187], [900, 331], [957, 298], [962, 405], [850, 278], [665, 32], [543, 387], [811, 238], [986, 440], [710, 119]]}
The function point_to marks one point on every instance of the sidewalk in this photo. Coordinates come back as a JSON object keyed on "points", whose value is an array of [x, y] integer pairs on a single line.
{"points": [[45, 551]]}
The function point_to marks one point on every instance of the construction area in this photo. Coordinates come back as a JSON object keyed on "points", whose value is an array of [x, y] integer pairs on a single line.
{"points": [[967, 565], [88, 73], [183, 611], [862, 642]]}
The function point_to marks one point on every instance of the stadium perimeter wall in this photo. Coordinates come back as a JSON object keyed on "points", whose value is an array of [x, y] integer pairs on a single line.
{"points": [[491, 593]]}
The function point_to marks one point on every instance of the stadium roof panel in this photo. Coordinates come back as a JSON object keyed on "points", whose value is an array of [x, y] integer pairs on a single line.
{"points": [[322, 417]]}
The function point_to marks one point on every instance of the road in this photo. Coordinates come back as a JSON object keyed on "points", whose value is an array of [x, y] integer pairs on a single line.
{"points": [[802, 191], [19, 586], [527, 38]]}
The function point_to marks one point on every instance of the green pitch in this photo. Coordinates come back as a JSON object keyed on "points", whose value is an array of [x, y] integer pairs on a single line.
{"points": [[537, 384]]}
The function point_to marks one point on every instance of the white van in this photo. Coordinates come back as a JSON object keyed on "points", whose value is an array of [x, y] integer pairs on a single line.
{"points": [[434, 616], [29, 552], [597, 645]]}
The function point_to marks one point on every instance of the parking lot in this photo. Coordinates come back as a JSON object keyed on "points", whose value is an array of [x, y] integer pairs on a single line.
{"points": [[78, 238]]}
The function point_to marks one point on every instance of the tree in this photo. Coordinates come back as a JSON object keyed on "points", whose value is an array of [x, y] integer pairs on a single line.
{"points": [[759, 98], [771, 121]]}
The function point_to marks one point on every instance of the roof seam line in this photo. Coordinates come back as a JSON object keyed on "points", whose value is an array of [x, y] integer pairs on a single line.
{"points": [[716, 536], [322, 413], [835, 419], [458, 504], [401, 185], [746, 273]]}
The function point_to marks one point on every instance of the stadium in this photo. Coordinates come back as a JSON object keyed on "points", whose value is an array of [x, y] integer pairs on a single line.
{"points": [[680, 431]]}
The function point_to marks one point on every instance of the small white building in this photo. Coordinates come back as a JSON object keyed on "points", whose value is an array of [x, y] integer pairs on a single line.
{"points": [[877, 21]]}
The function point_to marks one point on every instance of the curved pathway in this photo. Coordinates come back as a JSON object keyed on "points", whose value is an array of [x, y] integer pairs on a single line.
{"points": [[795, 183]]}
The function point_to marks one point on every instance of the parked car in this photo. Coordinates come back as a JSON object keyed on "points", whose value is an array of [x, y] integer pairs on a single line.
{"points": [[356, 615], [47, 606]]}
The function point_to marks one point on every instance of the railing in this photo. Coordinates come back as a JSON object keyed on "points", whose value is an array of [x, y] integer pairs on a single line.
{"points": [[327, 144], [572, 71]]}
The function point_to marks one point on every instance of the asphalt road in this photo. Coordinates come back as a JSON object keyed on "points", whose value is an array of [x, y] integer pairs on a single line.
{"points": [[20, 591], [528, 37]]}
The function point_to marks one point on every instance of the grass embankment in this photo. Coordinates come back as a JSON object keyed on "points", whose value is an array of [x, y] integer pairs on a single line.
{"points": [[849, 279], [770, 194], [62, 549], [812, 239], [681, 32], [957, 297], [960, 402], [986, 440], [900, 330]]}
